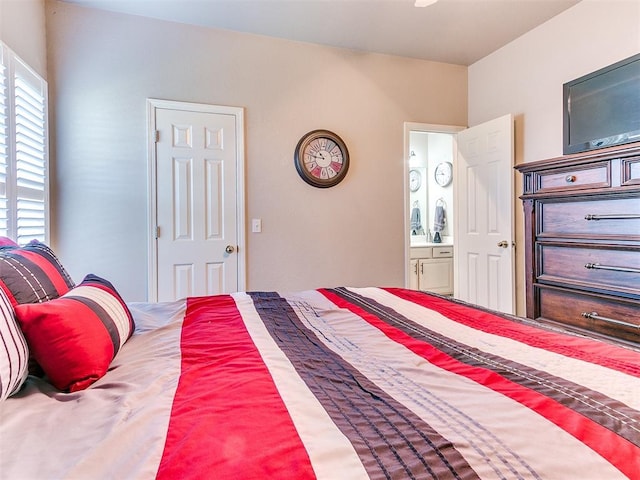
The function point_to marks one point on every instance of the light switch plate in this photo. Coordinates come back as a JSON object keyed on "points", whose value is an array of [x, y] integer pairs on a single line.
{"points": [[256, 225]]}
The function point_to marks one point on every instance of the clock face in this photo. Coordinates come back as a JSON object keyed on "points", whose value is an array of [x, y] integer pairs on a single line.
{"points": [[321, 158], [444, 174], [415, 180]]}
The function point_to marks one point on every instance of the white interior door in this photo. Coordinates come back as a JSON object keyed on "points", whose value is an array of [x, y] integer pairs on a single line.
{"points": [[484, 272], [198, 192]]}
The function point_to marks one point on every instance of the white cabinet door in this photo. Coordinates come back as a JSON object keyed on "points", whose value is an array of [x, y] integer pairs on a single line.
{"points": [[436, 275], [413, 274]]}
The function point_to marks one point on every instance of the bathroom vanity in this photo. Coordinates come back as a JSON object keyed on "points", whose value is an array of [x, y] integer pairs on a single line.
{"points": [[431, 268]]}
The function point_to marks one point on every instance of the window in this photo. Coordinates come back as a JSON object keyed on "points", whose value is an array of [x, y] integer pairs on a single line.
{"points": [[24, 199]]}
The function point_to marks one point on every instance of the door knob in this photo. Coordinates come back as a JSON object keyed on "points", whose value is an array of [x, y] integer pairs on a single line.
{"points": [[503, 244], [230, 249]]}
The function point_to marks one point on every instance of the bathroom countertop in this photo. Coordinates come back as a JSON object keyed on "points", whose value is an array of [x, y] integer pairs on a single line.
{"points": [[430, 244]]}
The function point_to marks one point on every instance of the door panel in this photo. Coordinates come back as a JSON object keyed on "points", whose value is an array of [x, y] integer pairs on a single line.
{"points": [[196, 191], [182, 188], [484, 186], [182, 281]]}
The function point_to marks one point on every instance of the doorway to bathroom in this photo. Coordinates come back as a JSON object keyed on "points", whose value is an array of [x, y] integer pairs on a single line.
{"points": [[430, 152], [459, 197]]}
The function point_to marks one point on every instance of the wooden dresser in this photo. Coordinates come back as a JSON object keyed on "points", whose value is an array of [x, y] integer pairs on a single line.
{"points": [[582, 241]]}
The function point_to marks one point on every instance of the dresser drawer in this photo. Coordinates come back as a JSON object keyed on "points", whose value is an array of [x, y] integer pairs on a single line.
{"points": [[597, 175], [631, 171], [420, 252], [590, 267], [573, 308], [610, 218]]}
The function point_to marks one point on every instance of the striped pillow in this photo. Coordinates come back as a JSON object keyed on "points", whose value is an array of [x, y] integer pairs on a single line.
{"points": [[32, 274], [7, 242], [14, 354], [75, 337]]}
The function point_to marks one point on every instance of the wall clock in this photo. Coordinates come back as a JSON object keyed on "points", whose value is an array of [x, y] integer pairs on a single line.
{"points": [[415, 180], [444, 174], [321, 158]]}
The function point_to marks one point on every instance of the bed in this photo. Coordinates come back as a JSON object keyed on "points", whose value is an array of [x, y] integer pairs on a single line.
{"points": [[336, 383]]}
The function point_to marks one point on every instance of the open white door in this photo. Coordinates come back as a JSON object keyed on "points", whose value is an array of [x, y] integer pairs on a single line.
{"points": [[198, 184], [484, 260]]}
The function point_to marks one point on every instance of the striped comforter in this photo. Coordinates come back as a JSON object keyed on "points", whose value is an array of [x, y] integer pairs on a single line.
{"points": [[342, 383]]}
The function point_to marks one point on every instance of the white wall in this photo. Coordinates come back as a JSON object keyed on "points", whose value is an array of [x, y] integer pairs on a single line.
{"points": [[525, 78], [419, 160], [430, 150], [441, 149], [103, 67], [22, 28]]}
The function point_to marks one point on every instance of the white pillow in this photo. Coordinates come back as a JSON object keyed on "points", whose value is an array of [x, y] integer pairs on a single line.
{"points": [[14, 353]]}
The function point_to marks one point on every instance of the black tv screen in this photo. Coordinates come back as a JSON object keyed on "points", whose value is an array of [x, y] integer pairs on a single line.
{"points": [[602, 108]]}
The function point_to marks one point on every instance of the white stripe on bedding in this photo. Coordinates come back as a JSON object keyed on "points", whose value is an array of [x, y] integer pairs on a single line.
{"points": [[614, 384], [332, 455], [448, 403]]}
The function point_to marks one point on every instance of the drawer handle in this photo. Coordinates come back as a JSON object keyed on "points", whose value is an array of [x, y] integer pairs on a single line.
{"points": [[597, 266], [595, 316], [570, 178], [621, 216]]}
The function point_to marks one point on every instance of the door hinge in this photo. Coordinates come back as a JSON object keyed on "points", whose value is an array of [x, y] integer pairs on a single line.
{"points": [[156, 136], [157, 232]]}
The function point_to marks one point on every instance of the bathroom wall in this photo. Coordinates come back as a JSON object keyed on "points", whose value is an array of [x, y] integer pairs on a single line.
{"points": [[431, 149], [441, 150], [418, 161]]}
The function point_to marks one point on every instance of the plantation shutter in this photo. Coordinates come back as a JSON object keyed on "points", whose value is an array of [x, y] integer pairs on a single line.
{"points": [[31, 154], [4, 142], [24, 180]]}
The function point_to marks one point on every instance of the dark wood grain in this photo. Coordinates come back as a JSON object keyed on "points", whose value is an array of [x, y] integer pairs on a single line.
{"points": [[582, 241]]}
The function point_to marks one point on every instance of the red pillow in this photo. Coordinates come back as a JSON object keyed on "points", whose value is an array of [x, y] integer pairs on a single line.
{"points": [[32, 274], [75, 337], [7, 242]]}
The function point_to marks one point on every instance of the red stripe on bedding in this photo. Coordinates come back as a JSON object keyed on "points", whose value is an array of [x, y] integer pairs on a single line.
{"points": [[592, 351], [227, 420], [621, 453]]}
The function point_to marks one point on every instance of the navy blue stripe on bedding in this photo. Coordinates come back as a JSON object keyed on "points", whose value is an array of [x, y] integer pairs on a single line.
{"points": [[391, 440]]}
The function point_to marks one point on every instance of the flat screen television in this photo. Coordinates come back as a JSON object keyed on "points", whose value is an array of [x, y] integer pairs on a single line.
{"points": [[602, 108]]}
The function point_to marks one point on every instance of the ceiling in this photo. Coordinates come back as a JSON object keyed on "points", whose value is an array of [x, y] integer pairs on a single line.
{"points": [[451, 31]]}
